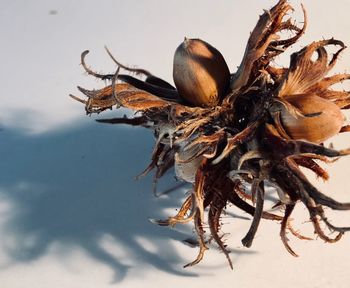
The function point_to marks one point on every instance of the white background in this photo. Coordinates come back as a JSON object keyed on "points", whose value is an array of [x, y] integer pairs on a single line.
{"points": [[71, 214]]}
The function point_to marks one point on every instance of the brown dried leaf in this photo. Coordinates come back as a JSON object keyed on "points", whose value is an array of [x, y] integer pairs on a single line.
{"points": [[305, 72], [140, 100], [323, 90], [122, 94], [264, 43]]}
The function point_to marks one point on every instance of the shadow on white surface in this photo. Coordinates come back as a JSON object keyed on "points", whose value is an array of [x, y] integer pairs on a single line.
{"points": [[75, 186]]}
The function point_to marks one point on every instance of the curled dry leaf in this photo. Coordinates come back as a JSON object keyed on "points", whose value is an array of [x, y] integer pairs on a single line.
{"points": [[259, 129]]}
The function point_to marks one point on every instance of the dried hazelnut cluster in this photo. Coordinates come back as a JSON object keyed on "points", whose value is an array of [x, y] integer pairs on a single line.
{"points": [[229, 133]]}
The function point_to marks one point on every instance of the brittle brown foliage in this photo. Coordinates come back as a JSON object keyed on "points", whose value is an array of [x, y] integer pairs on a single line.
{"points": [[246, 140]]}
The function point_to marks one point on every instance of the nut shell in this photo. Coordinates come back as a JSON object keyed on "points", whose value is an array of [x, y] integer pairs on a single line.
{"points": [[322, 118], [200, 73]]}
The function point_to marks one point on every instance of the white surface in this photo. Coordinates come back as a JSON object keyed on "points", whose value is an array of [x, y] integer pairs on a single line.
{"points": [[71, 214]]}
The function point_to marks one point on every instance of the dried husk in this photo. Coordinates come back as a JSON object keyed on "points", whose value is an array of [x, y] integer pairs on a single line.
{"points": [[236, 144], [310, 111]]}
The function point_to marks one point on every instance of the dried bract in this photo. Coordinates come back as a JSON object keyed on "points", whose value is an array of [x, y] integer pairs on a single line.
{"points": [[255, 127]]}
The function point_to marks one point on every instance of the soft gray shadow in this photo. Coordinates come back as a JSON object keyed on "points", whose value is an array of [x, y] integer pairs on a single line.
{"points": [[77, 184]]}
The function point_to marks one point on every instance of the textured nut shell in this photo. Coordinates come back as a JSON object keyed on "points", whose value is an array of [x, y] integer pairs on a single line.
{"points": [[315, 129], [200, 73]]}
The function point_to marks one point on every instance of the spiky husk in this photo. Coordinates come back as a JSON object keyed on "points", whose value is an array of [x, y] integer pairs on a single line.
{"points": [[241, 142]]}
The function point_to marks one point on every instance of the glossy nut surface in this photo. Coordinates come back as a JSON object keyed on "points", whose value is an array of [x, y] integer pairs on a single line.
{"points": [[200, 73], [323, 119]]}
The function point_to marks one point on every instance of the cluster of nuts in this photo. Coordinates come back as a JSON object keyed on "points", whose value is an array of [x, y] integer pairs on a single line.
{"points": [[229, 133], [202, 78]]}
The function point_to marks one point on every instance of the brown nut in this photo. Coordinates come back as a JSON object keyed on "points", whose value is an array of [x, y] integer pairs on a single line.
{"points": [[319, 120], [200, 73]]}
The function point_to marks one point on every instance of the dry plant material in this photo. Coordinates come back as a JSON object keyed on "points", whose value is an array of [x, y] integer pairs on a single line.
{"points": [[226, 132]]}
